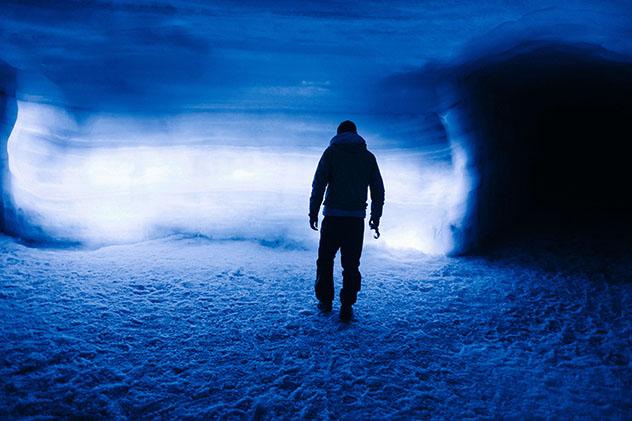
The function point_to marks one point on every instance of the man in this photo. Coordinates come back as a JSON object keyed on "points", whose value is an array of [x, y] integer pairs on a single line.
{"points": [[345, 170]]}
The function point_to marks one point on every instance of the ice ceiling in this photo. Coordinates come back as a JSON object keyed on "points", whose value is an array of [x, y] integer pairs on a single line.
{"points": [[138, 119]]}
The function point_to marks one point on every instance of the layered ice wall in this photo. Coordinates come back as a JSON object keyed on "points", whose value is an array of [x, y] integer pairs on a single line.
{"points": [[8, 112], [100, 184], [209, 119]]}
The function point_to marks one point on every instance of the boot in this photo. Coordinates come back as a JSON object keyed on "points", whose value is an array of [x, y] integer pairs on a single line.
{"points": [[346, 312], [324, 306]]}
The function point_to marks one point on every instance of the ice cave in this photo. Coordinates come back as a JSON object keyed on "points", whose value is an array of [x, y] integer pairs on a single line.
{"points": [[156, 161], [543, 125]]}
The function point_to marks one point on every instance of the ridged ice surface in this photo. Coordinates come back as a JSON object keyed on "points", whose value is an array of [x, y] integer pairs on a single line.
{"points": [[189, 327]]}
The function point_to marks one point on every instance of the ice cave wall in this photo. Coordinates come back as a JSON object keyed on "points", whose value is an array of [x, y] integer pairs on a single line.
{"points": [[8, 115], [538, 128], [544, 126]]}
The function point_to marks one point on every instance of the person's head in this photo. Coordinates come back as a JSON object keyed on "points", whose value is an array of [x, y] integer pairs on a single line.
{"points": [[347, 126]]}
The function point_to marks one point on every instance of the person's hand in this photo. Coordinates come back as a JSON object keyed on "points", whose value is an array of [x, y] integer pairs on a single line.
{"points": [[313, 223], [374, 224]]}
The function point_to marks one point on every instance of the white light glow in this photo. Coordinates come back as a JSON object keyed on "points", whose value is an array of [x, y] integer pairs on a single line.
{"points": [[110, 194]]}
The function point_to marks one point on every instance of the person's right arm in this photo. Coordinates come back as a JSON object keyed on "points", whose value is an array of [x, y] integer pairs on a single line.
{"points": [[319, 184]]}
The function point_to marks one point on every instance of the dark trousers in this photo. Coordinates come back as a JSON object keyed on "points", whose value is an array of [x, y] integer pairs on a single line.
{"points": [[346, 234]]}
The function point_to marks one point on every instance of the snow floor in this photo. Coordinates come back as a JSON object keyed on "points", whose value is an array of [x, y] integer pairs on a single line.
{"points": [[187, 327]]}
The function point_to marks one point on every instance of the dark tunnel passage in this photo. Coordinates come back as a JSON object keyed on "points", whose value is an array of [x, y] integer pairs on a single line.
{"points": [[549, 128]]}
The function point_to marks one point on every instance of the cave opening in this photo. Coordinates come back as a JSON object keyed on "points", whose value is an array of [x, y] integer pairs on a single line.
{"points": [[551, 127]]}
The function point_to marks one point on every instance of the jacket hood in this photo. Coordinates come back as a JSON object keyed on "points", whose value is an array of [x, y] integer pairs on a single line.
{"points": [[347, 138]]}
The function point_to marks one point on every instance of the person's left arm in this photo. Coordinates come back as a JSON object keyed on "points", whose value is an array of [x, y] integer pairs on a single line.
{"points": [[376, 186]]}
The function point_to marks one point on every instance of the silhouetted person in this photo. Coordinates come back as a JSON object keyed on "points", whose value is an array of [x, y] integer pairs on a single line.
{"points": [[345, 170]]}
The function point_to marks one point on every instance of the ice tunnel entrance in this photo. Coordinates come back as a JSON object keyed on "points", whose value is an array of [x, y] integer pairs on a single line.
{"points": [[548, 128]]}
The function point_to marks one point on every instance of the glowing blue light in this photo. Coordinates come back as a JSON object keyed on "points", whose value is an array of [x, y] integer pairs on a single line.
{"points": [[104, 194]]}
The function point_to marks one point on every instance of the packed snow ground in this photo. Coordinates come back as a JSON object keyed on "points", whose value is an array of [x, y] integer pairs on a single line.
{"points": [[187, 327]]}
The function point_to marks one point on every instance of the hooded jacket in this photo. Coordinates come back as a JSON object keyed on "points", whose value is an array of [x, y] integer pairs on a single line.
{"points": [[345, 171]]}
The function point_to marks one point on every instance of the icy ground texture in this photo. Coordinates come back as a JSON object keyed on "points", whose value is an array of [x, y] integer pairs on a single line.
{"points": [[189, 327]]}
